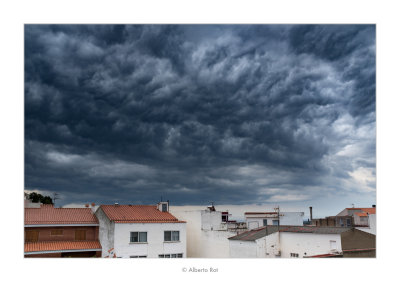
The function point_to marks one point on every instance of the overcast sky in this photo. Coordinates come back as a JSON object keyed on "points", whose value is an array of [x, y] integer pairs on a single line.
{"points": [[234, 114]]}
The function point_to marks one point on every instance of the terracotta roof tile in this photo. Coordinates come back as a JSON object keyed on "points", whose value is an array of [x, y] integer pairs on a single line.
{"points": [[47, 214], [137, 213], [61, 246], [361, 214], [368, 210]]}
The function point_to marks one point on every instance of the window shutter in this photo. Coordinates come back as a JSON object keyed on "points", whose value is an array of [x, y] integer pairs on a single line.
{"points": [[31, 236], [80, 235]]}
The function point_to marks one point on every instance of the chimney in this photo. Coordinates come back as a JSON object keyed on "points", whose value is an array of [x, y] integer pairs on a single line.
{"points": [[310, 213], [93, 207], [87, 205], [374, 206], [116, 204], [163, 206]]}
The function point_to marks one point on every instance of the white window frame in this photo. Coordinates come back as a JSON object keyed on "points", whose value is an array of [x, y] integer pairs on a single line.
{"points": [[138, 236], [179, 255], [173, 238]]}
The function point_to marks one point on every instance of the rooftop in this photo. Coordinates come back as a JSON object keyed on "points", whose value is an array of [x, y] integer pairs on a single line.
{"points": [[33, 247], [137, 214], [258, 233], [366, 210], [48, 215]]}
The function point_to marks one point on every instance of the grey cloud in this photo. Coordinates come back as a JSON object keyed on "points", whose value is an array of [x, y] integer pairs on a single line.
{"points": [[185, 102]]}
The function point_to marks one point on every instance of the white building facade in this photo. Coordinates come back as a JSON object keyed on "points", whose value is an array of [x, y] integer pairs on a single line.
{"points": [[364, 218], [259, 219], [288, 243], [140, 232], [208, 232]]}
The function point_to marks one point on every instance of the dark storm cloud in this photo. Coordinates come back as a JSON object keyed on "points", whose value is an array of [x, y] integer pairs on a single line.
{"points": [[234, 114]]}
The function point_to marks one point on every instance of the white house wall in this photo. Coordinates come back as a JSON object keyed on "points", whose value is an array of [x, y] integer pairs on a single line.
{"points": [[211, 220], [155, 239], [372, 225], [268, 246], [286, 218], [243, 249], [214, 244], [307, 244], [282, 244], [193, 230], [291, 218], [204, 237]]}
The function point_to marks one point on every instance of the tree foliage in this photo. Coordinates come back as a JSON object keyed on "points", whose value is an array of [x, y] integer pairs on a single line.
{"points": [[39, 198]]}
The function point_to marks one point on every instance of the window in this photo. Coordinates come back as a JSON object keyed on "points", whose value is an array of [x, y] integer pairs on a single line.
{"points": [[275, 222], [80, 235], [294, 255], [164, 207], [138, 256], [170, 236], [171, 255], [138, 237], [348, 222], [31, 236], [56, 232], [341, 222], [224, 218], [265, 222]]}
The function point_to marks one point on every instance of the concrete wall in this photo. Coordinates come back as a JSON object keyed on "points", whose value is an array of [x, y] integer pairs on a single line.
{"points": [[372, 225], [286, 218], [307, 244], [304, 244], [106, 232], [155, 244], [193, 230], [291, 218], [268, 246], [211, 220], [214, 244], [356, 239], [207, 237], [243, 249]]}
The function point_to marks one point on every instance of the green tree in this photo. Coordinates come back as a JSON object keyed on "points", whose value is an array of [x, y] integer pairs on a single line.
{"points": [[39, 198]]}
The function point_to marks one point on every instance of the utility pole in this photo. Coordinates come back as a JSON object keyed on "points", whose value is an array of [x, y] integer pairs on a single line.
{"points": [[277, 210]]}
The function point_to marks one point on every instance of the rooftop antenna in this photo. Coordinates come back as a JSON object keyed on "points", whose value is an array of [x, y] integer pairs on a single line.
{"points": [[55, 198], [352, 205]]}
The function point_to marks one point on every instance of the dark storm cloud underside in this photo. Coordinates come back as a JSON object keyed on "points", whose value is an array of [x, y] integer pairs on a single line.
{"points": [[138, 94]]}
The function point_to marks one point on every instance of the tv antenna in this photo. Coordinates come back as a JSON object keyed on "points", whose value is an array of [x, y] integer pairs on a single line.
{"points": [[55, 198]]}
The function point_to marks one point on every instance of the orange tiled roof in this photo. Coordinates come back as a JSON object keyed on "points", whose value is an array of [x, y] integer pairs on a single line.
{"points": [[369, 210], [47, 214], [361, 214], [137, 213], [61, 246], [366, 210]]}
